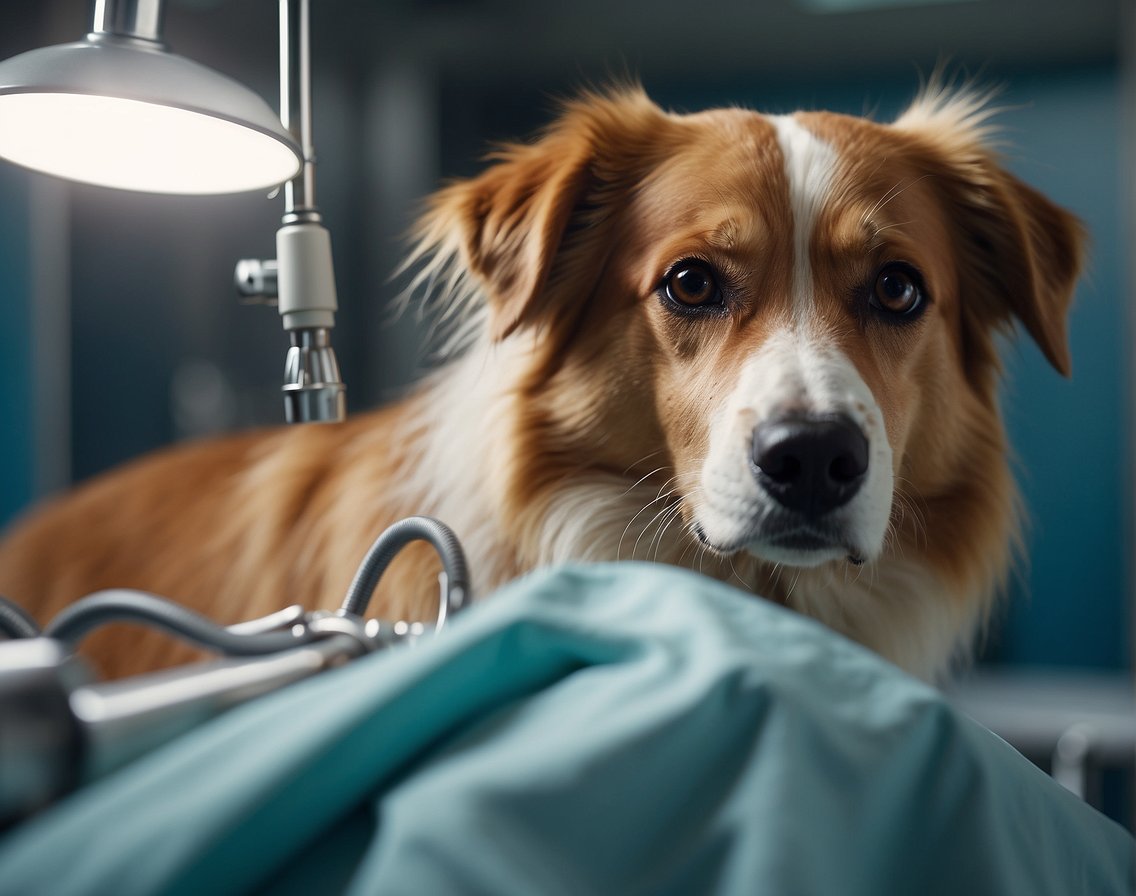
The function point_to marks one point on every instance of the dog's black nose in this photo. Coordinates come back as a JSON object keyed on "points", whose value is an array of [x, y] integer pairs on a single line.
{"points": [[810, 464]]}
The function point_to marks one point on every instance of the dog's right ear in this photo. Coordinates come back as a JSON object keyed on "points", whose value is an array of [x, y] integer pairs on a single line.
{"points": [[508, 225]]}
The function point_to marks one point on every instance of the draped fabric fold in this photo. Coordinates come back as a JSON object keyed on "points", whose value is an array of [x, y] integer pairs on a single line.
{"points": [[618, 729]]}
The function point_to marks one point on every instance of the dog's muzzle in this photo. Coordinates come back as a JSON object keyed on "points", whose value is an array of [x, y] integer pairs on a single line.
{"points": [[810, 464]]}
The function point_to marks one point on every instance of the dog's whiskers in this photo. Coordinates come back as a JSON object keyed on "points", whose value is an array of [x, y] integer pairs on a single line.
{"points": [[642, 460], [631, 522], [661, 520], [908, 511], [737, 575], [676, 514], [647, 476], [793, 586], [647, 527]]}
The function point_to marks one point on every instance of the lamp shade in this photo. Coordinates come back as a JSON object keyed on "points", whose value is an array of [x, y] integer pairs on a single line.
{"points": [[129, 114]]}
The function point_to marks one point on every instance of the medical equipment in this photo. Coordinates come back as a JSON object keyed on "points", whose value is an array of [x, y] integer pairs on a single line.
{"points": [[59, 729]]}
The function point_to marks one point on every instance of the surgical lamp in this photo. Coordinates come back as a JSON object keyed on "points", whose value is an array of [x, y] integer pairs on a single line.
{"points": [[118, 109]]}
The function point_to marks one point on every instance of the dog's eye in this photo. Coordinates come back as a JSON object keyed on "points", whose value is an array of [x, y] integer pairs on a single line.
{"points": [[692, 283], [898, 290]]}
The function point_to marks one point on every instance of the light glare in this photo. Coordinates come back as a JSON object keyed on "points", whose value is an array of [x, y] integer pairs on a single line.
{"points": [[134, 145]]}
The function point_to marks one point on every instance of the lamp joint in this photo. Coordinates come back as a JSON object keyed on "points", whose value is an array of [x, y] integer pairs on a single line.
{"points": [[138, 19]]}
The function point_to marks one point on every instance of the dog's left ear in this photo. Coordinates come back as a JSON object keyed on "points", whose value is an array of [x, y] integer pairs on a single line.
{"points": [[1022, 252], [509, 226]]}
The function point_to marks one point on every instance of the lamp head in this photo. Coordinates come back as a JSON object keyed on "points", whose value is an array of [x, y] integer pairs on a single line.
{"points": [[122, 111]]}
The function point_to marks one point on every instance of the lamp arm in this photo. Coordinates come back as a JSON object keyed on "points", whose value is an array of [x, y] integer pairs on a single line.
{"points": [[296, 102], [302, 278]]}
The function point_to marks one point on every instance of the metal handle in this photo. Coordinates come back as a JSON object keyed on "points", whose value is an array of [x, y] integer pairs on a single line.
{"points": [[121, 721]]}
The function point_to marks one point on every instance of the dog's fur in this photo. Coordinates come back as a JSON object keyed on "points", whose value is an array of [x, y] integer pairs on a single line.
{"points": [[584, 415]]}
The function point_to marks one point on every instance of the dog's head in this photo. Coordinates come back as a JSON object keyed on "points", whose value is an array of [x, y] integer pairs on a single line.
{"points": [[783, 325]]}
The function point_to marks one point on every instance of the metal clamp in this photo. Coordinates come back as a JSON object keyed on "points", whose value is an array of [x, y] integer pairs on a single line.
{"points": [[323, 625], [257, 281]]}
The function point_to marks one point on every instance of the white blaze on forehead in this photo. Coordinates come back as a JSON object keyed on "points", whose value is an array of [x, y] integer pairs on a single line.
{"points": [[810, 165]]}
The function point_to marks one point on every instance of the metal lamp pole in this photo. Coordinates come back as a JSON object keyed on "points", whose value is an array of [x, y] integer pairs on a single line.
{"points": [[302, 277]]}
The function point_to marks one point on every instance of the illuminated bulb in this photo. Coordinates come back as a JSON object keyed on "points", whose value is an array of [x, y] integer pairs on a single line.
{"points": [[135, 145]]}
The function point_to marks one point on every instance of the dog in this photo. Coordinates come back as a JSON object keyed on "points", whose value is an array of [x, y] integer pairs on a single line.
{"points": [[761, 347]]}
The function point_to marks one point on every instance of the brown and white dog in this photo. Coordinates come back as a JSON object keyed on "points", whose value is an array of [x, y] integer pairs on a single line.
{"points": [[758, 346]]}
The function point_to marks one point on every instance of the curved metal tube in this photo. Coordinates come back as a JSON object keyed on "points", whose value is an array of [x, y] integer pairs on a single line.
{"points": [[15, 621], [122, 605], [457, 594]]}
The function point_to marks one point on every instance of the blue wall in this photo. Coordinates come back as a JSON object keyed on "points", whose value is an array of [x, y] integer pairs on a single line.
{"points": [[1075, 458], [16, 385]]}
